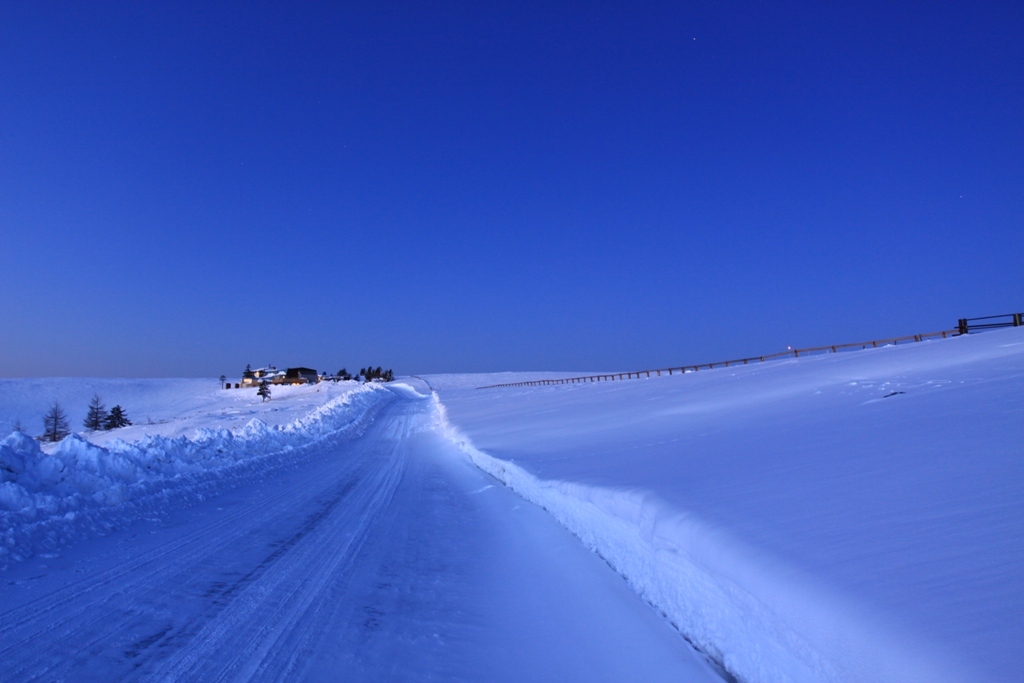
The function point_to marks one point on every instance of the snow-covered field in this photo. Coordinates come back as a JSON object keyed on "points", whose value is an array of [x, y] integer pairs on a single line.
{"points": [[336, 547], [849, 517], [191, 440], [844, 517], [156, 407]]}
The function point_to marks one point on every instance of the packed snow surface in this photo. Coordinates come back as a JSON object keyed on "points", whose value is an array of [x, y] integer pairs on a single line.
{"points": [[368, 553], [200, 440], [845, 517]]}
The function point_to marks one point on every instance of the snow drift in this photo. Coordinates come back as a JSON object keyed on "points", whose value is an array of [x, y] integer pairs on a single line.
{"points": [[849, 517], [47, 499], [748, 613], [761, 621]]}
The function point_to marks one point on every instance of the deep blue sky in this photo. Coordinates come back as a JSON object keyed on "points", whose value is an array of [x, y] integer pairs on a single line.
{"points": [[474, 186]]}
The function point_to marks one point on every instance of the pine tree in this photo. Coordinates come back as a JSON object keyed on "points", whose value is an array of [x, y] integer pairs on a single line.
{"points": [[264, 391], [55, 424], [116, 419], [375, 374], [97, 414]]}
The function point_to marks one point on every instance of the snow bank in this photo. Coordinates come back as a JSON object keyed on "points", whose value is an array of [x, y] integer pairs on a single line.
{"points": [[80, 487], [761, 621], [854, 516]]}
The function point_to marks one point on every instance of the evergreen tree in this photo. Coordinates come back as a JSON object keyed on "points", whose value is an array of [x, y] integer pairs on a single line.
{"points": [[116, 419], [264, 391], [97, 414], [376, 374], [55, 424]]}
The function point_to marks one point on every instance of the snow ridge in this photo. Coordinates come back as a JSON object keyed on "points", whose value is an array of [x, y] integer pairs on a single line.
{"points": [[83, 489], [759, 621]]}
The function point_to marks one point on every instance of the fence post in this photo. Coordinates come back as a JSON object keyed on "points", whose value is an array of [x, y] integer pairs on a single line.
{"points": [[961, 325], [1018, 319]]}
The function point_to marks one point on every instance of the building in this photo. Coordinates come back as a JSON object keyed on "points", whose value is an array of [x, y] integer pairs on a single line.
{"points": [[296, 376], [252, 378]]}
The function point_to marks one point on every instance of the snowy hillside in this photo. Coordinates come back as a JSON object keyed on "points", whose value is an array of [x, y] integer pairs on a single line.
{"points": [[848, 517]]}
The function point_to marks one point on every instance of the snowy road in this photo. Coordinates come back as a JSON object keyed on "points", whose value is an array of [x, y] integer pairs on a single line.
{"points": [[387, 558]]}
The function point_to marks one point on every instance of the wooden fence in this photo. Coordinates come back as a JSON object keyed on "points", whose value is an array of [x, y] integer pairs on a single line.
{"points": [[795, 353], [965, 325]]}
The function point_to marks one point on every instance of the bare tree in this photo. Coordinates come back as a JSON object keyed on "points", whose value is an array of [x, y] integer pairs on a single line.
{"points": [[55, 424]]}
